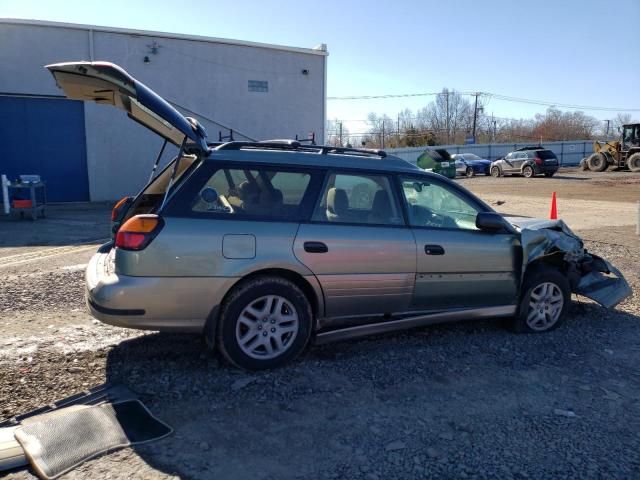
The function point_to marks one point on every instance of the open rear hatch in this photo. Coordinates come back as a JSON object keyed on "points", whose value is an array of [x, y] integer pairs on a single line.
{"points": [[108, 84]]}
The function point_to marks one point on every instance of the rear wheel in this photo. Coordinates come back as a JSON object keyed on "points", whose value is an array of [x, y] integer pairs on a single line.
{"points": [[528, 172], [469, 172], [597, 162], [495, 172], [264, 323], [545, 301], [634, 162]]}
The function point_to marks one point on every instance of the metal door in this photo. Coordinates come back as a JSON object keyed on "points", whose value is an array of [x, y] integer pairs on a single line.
{"points": [[46, 137]]}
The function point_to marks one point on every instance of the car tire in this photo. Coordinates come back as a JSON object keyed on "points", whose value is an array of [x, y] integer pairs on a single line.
{"points": [[549, 174], [545, 301], [264, 323], [495, 172], [597, 162], [634, 162], [469, 172], [528, 172]]}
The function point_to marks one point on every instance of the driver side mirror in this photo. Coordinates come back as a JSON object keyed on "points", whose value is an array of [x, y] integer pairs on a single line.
{"points": [[492, 222]]}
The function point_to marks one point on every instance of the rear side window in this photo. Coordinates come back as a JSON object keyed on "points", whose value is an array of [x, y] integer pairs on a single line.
{"points": [[253, 193]]}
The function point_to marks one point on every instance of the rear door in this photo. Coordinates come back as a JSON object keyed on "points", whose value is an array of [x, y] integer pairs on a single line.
{"points": [[108, 84], [358, 246], [518, 161]]}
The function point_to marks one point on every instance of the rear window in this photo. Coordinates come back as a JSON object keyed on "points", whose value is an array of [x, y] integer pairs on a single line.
{"points": [[150, 199], [264, 193], [546, 154]]}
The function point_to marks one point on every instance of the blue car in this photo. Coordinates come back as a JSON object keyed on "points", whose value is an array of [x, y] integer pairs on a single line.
{"points": [[470, 164]]}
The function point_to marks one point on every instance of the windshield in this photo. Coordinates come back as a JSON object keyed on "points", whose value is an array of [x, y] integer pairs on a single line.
{"points": [[470, 156]]}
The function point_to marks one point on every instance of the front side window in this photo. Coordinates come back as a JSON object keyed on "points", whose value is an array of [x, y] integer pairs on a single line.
{"points": [[351, 198], [266, 193], [438, 206]]}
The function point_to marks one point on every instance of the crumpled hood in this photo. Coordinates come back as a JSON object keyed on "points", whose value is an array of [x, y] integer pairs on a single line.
{"points": [[594, 277]]}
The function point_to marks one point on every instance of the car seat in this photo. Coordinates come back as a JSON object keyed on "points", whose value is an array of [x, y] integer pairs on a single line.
{"points": [[337, 205]]}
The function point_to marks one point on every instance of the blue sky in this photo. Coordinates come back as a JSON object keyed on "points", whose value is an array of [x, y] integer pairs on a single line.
{"points": [[560, 51]]}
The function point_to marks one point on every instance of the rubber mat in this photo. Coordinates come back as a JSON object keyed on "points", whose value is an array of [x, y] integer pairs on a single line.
{"points": [[58, 444], [101, 394], [11, 452]]}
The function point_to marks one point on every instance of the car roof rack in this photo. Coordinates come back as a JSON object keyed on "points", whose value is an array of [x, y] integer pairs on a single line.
{"points": [[531, 147], [295, 145]]}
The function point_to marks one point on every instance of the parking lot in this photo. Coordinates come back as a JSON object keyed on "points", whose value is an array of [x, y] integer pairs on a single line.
{"points": [[466, 400]]}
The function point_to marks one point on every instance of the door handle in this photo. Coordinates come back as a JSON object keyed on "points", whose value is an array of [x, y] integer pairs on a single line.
{"points": [[433, 250], [315, 247]]}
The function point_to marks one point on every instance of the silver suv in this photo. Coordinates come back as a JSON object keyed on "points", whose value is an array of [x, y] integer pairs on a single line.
{"points": [[265, 246]]}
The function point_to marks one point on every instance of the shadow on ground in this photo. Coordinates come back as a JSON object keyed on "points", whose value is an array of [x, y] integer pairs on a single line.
{"points": [[64, 224], [462, 399]]}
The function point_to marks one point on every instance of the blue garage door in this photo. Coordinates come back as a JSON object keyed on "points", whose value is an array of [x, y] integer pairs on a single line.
{"points": [[45, 136]]}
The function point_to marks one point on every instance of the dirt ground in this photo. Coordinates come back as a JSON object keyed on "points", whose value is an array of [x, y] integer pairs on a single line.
{"points": [[467, 400]]}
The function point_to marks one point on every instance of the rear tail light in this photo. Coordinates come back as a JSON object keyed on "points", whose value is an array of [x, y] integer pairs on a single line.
{"points": [[538, 160], [116, 208], [138, 231]]}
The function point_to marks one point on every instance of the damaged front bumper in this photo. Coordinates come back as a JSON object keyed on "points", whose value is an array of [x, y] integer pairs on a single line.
{"points": [[589, 275]]}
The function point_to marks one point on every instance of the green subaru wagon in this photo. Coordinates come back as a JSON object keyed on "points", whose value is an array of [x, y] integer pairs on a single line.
{"points": [[265, 247]]}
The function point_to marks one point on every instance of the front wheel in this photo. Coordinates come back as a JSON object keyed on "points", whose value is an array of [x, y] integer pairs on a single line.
{"points": [[469, 172], [634, 162], [265, 322], [597, 162], [527, 172], [545, 301], [495, 172]]}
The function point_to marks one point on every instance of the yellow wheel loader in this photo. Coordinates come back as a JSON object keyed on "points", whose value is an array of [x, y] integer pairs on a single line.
{"points": [[623, 153]]}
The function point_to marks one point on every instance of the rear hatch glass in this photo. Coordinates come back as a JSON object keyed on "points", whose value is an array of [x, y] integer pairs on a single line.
{"points": [[546, 155]]}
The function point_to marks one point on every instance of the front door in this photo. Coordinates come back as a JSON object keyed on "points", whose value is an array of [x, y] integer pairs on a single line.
{"points": [[358, 247], [458, 265]]}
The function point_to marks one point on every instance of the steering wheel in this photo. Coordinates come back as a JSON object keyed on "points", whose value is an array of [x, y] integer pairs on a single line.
{"points": [[428, 218]]}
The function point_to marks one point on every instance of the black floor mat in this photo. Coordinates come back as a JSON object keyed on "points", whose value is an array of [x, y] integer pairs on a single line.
{"points": [[102, 393]]}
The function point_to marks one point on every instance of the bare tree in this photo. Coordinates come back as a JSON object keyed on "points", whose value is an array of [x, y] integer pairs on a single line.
{"points": [[449, 115], [620, 120], [336, 133]]}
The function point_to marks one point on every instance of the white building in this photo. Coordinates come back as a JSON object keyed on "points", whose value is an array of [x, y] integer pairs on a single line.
{"points": [[91, 152]]}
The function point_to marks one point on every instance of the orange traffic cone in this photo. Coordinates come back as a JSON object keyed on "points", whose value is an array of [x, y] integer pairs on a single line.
{"points": [[553, 214]]}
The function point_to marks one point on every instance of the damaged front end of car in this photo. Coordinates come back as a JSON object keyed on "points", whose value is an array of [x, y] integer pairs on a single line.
{"points": [[589, 275]]}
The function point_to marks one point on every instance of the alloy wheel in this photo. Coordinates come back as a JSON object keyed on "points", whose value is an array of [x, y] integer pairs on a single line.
{"points": [[545, 305], [267, 327]]}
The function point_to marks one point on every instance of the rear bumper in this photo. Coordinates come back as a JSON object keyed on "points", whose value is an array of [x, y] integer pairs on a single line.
{"points": [[540, 169], [179, 304]]}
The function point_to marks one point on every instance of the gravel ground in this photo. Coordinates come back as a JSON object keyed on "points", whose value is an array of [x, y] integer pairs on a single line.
{"points": [[467, 400]]}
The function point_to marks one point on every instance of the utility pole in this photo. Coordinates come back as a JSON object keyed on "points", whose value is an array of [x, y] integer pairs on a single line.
{"points": [[340, 133], [607, 134], [382, 135], [447, 119], [398, 130], [475, 116]]}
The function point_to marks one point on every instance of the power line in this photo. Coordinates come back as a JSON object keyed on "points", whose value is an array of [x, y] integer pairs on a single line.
{"points": [[399, 95], [490, 95]]}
